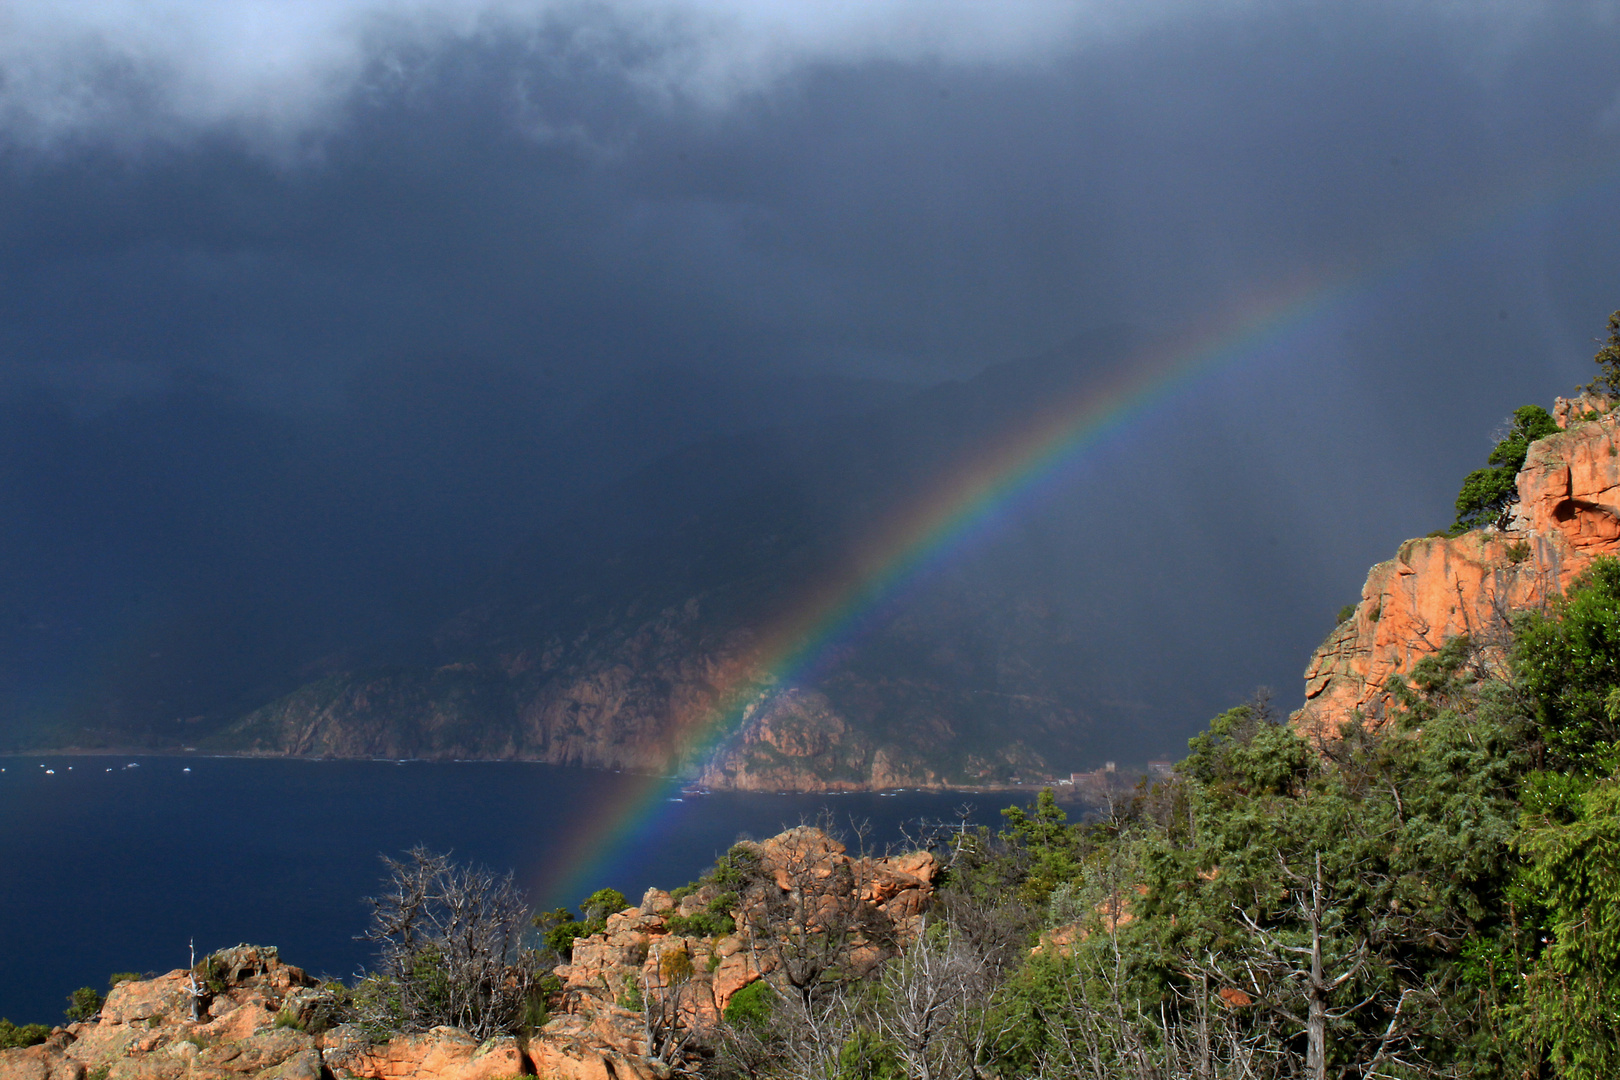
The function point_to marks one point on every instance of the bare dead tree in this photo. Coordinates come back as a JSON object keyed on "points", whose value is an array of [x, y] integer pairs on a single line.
{"points": [[193, 990], [450, 948], [936, 1005], [670, 1020]]}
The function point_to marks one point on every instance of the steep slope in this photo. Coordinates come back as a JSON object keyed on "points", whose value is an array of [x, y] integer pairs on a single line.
{"points": [[1567, 514]]}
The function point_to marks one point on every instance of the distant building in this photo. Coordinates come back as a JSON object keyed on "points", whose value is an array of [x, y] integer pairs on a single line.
{"points": [[1108, 766]]}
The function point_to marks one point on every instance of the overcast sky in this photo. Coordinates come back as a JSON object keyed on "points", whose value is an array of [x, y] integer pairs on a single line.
{"points": [[266, 198], [278, 191]]}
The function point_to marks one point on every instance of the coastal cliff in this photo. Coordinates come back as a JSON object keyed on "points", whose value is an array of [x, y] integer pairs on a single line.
{"points": [[686, 689], [1566, 515]]}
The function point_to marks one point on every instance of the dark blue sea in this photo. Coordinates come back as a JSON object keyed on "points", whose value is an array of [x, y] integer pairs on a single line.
{"points": [[114, 864]]}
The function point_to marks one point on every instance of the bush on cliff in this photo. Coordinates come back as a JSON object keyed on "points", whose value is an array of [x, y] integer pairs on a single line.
{"points": [[83, 1003], [14, 1035], [751, 1006], [1487, 492], [1568, 660], [559, 928], [1608, 362]]}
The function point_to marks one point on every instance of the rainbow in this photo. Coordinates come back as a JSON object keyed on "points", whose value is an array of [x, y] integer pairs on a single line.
{"points": [[990, 484], [994, 480]]}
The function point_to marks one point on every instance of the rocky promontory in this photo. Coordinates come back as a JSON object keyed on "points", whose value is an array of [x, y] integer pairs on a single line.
{"points": [[1567, 514]]}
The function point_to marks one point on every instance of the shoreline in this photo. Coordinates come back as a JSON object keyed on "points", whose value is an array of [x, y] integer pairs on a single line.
{"points": [[1064, 792]]}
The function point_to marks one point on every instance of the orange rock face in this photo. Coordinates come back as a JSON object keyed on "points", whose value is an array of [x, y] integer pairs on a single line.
{"points": [[441, 1054], [1435, 588]]}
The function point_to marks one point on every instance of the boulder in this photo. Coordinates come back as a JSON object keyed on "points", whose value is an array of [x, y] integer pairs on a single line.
{"points": [[43, 1062], [130, 1001], [445, 1053]]}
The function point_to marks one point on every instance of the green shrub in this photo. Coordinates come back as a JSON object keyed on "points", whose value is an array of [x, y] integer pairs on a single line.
{"points": [[733, 869], [559, 928], [868, 1056], [713, 921], [602, 903], [1487, 492], [1346, 613], [1518, 551], [210, 972], [750, 1007], [1608, 362], [631, 998], [13, 1036], [83, 1003], [122, 976]]}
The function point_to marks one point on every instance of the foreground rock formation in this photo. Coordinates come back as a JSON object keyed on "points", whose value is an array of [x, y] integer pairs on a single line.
{"points": [[1568, 514], [632, 1000]]}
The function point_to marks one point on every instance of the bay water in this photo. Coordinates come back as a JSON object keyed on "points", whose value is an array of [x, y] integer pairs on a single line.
{"points": [[112, 864]]}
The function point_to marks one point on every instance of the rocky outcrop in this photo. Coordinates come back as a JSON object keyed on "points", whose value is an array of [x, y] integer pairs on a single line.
{"points": [[1567, 514], [258, 1017], [656, 969], [643, 951]]}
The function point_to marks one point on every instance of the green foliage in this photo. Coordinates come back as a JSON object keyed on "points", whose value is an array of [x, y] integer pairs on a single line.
{"points": [[735, 868], [1048, 844], [1569, 661], [632, 998], [559, 928], [1608, 361], [868, 1056], [1247, 750], [1572, 873], [602, 903], [537, 1009], [210, 972], [1487, 492], [122, 976], [98, 1073], [83, 1003], [1346, 613], [751, 1006], [713, 921], [14, 1035], [285, 1019]]}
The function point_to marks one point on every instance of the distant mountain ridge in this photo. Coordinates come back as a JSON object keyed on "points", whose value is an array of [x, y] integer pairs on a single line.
{"points": [[609, 642]]}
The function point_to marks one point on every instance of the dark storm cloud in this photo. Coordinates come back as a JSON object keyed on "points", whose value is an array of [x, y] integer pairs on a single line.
{"points": [[358, 205], [279, 191]]}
